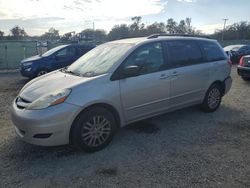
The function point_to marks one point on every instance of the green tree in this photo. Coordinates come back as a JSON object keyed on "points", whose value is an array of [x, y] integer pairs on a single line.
{"points": [[181, 28], [68, 36], [118, 32], [137, 27], [1, 35], [171, 26], [155, 28], [87, 35], [52, 34], [17, 32], [236, 31], [189, 28], [100, 35]]}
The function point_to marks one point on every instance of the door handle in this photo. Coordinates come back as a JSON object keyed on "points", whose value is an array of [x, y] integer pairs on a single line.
{"points": [[175, 74], [164, 76]]}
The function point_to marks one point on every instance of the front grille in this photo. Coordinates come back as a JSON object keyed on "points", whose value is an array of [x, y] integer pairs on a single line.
{"points": [[22, 103]]}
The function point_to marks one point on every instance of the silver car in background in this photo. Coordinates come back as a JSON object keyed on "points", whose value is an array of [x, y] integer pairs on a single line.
{"points": [[118, 83]]}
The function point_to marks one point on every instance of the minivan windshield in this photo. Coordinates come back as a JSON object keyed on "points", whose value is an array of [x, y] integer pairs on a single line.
{"points": [[99, 60], [53, 50]]}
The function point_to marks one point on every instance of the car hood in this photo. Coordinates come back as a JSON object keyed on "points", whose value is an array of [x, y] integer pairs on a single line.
{"points": [[48, 83], [33, 58]]}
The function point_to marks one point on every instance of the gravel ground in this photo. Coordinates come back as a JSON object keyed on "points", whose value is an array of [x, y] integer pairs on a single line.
{"points": [[186, 148]]}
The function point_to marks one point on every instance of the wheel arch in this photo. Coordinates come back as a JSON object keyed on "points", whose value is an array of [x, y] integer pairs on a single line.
{"points": [[42, 69], [221, 84], [108, 107]]}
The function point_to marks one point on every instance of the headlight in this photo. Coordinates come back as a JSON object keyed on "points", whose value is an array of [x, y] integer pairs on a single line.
{"points": [[27, 64], [51, 99]]}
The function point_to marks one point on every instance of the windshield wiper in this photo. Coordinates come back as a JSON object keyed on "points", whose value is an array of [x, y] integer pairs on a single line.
{"points": [[65, 70]]}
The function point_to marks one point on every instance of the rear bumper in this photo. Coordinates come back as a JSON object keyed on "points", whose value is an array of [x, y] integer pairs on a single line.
{"points": [[243, 71], [228, 84]]}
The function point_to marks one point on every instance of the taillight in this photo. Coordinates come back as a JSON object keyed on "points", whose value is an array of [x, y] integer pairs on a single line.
{"points": [[229, 62], [241, 62]]}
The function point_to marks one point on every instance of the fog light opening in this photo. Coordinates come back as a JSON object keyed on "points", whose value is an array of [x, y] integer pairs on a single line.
{"points": [[42, 135]]}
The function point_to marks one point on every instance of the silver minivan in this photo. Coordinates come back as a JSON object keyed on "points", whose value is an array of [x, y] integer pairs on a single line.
{"points": [[118, 83]]}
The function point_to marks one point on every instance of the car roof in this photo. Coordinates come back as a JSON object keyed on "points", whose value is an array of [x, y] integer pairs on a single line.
{"points": [[81, 45], [230, 47], [247, 56], [129, 40], [158, 38]]}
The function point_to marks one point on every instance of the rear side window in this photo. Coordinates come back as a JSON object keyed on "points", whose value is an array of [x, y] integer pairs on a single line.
{"points": [[69, 51], [81, 51], [72, 51], [62, 52], [212, 51], [184, 53]]}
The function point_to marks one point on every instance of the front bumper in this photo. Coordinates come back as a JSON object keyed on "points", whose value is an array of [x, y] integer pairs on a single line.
{"points": [[27, 71], [46, 127], [243, 71]]}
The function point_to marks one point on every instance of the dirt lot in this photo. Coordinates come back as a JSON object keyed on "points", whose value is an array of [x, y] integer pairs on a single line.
{"points": [[186, 148]]}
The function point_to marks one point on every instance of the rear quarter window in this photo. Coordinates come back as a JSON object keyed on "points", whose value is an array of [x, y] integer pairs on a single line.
{"points": [[212, 51]]}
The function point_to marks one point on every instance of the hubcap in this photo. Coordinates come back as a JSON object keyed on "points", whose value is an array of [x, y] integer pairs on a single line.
{"points": [[213, 98], [41, 73], [96, 131]]}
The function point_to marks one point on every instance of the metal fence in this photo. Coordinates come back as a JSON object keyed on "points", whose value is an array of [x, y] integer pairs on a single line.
{"points": [[12, 52], [232, 42]]}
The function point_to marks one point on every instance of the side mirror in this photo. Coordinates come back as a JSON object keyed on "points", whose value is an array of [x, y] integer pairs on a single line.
{"points": [[130, 71]]}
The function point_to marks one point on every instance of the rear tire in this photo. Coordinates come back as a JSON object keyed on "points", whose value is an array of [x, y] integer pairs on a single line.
{"points": [[212, 98], [93, 129]]}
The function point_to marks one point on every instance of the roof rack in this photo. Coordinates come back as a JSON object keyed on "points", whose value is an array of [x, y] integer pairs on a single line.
{"points": [[174, 35]]}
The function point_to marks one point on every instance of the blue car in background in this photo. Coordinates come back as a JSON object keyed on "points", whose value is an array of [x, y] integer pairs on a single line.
{"points": [[56, 58], [235, 52]]}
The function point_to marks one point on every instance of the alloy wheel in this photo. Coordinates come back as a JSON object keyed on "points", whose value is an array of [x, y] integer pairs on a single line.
{"points": [[214, 98], [96, 131]]}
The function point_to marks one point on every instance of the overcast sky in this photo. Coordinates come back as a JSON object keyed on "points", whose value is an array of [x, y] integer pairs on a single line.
{"points": [[36, 16]]}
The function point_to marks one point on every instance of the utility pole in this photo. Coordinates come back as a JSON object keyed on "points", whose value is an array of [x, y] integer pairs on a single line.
{"points": [[93, 32], [224, 27]]}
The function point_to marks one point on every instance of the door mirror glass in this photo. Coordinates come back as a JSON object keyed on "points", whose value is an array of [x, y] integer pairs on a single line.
{"points": [[130, 71]]}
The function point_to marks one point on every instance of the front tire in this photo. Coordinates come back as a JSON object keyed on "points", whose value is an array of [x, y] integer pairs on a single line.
{"points": [[212, 98], [93, 129], [41, 72]]}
